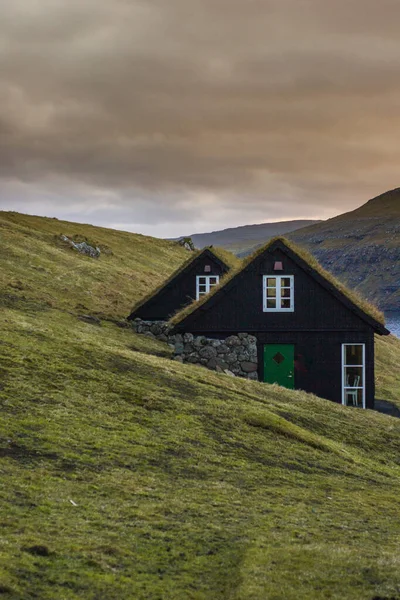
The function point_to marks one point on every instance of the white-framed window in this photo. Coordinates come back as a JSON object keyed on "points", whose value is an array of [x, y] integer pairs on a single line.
{"points": [[204, 283], [278, 293], [353, 375]]}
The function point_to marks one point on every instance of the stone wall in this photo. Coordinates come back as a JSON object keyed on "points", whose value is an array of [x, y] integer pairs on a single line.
{"points": [[235, 355]]}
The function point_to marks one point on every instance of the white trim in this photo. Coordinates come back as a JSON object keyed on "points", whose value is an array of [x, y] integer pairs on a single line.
{"points": [[344, 366], [207, 283], [278, 293]]}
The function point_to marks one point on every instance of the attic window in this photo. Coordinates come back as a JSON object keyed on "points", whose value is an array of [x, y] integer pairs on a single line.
{"points": [[278, 266], [207, 269], [204, 283], [278, 293]]}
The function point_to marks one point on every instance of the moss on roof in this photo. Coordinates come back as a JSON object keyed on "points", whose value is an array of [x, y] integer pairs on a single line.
{"points": [[229, 259], [368, 308]]}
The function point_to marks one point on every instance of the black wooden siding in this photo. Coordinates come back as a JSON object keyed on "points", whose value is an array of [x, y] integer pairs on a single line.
{"points": [[240, 308], [318, 327], [180, 291]]}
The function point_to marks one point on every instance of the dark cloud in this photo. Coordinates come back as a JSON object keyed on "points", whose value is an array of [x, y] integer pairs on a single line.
{"points": [[167, 116]]}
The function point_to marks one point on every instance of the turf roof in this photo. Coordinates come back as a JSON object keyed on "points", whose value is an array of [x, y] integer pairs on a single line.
{"points": [[360, 303], [229, 259]]}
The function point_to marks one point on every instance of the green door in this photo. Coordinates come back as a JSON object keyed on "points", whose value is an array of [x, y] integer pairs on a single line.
{"points": [[279, 364]]}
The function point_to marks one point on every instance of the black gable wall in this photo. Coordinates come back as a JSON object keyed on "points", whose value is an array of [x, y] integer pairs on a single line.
{"points": [[180, 291], [317, 328], [240, 305]]}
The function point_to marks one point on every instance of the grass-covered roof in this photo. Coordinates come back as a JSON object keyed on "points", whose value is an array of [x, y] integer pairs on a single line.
{"points": [[229, 259], [359, 302]]}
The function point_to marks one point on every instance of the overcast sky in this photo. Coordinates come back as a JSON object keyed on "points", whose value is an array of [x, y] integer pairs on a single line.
{"points": [[169, 117]]}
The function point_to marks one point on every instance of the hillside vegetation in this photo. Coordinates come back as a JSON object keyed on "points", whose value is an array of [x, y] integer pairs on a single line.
{"points": [[362, 248], [126, 475]]}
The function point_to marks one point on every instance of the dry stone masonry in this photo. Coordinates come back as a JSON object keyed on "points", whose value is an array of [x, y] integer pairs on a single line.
{"points": [[235, 355]]}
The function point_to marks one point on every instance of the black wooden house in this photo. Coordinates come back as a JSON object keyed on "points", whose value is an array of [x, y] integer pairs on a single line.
{"points": [[312, 333], [195, 278]]}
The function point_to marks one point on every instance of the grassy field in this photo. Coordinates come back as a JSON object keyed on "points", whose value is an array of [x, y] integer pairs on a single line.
{"points": [[126, 475]]}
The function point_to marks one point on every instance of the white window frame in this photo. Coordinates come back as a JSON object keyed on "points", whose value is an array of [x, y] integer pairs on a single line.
{"points": [[278, 293], [207, 283], [348, 387]]}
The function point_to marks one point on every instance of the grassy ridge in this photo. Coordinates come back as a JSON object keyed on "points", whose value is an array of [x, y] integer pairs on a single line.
{"points": [[126, 475], [34, 262]]}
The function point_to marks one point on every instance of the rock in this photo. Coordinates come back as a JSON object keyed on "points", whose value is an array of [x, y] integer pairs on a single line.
{"points": [[253, 376], [228, 372], [179, 348], [211, 364], [178, 337], [149, 334], [221, 363], [172, 347], [163, 337], [232, 340], [204, 362], [193, 359], [230, 358], [188, 337], [156, 329], [223, 349], [248, 367], [208, 352], [188, 348], [82, 247], [216, 343], [178, 359], [198, 341], [242, 336]]}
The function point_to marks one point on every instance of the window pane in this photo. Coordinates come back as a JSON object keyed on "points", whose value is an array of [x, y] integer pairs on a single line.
{"points": [[213, 280], [285, 293], [353, 377], [354, 354], [202, 280], [271, 303], [285, 282], [271, 281], [271, 292], [202, 288], [285, 303], [353, 397]]}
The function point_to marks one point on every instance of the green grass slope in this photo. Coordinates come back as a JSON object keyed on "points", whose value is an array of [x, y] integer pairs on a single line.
{"points": [[36, 264], [126, 475]]}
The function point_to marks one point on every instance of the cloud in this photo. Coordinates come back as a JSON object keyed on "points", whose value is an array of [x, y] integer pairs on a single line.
{"points": [[165, 116]]}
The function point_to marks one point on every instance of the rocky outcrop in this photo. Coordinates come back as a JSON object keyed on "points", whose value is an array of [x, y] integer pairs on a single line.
{"points": [[82, 247], [234, 355]]}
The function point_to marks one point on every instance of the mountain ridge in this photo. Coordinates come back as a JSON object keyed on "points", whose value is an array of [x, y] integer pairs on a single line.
{"points": [[233, 238]]}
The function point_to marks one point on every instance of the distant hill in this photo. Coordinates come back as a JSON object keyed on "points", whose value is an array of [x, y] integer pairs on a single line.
{"points": [[362, 248], [240, 239]]}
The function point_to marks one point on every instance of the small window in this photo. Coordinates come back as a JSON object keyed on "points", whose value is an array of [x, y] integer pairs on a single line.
{"points": [[278, 293], [207, 268], [204, 283], [353, 375]]}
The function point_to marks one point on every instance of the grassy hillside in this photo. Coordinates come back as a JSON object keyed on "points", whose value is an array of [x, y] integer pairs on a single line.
{"points": [[36, 264], [126, 475]]}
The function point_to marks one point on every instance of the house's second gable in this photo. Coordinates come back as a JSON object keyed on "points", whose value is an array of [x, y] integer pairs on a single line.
{"points": [[202, 272], [274, 292]]}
